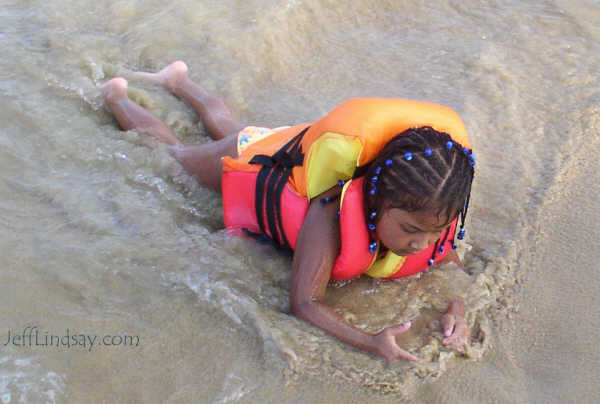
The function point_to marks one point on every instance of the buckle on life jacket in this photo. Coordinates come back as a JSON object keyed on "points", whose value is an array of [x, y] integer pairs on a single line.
{"points": [[270, 182]]}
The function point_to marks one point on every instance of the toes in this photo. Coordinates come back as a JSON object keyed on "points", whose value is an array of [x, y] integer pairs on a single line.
{"points": [[172, 74], [178, 67], [114, 88]]}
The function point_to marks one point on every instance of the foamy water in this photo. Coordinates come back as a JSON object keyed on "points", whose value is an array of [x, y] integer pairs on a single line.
{"points": [[110, 240]]}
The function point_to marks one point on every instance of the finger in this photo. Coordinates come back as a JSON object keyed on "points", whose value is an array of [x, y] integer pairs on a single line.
{"points": [[402, 354], [448, 322], [456, 340], [462, 335], [399, 329], [450, 341], [468, 335], [452, 338], [408, 356]]}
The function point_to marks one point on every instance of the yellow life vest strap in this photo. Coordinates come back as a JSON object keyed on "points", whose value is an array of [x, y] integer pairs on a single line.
{"points": [[386, 266]]}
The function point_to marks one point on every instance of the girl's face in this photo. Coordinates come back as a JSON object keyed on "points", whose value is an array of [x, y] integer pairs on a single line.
{"points": [[406, 233]]}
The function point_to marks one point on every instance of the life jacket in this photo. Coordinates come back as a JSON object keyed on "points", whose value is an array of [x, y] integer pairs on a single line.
{"points": [[301, 162], [355, 259]]}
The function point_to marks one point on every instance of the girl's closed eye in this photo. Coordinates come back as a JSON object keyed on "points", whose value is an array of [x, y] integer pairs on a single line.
{"points": [[410, 230]]}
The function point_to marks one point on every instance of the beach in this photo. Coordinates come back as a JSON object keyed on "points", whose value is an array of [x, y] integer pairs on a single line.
{"points": [[120, 284]]}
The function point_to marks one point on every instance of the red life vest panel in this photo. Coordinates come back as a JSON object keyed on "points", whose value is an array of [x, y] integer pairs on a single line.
{"points": [[355, 259]]}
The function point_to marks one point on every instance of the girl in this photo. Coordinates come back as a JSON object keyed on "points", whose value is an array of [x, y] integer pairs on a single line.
{"points": [[370, 188]]}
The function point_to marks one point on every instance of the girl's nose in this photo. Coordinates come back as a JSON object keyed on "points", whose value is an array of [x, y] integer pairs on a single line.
{"points": [[422, 242], [419, 243]]}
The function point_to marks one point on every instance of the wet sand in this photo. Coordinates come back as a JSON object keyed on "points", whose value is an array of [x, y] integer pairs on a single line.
{"points": [[104, 237]]}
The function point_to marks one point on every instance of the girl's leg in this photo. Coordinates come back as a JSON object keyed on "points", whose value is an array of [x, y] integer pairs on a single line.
{"points": [[202, 161], [131, 116], [216, 116]]}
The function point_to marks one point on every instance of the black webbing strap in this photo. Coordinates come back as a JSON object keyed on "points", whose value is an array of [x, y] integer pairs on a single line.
{"points": [[270, 182], [360, 171], [298, 158]]}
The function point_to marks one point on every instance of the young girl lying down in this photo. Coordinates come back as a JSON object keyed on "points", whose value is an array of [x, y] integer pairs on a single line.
{"points": [[378, 187]]}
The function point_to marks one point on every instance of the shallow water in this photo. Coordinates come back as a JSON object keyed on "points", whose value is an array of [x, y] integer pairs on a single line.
{"points": [[103, 237]]}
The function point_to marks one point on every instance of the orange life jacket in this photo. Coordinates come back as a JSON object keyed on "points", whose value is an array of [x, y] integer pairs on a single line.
{"points": [[350, 136]]}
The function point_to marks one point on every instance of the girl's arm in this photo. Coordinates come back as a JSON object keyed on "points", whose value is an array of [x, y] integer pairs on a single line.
{"points": [[455, 327], [317, 248]]}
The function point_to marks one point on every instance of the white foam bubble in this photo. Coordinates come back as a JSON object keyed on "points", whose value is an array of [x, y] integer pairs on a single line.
{"points": [[25, 380]]}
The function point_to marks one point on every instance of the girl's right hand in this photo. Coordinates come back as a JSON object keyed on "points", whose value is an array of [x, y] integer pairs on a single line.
{"points": [[386, 346]]}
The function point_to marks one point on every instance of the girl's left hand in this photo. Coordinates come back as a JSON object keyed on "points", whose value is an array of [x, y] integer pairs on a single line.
{"points": [[456, 330]]}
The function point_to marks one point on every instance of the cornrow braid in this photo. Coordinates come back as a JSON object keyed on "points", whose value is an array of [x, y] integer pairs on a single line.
{"points": [[421, 169]]}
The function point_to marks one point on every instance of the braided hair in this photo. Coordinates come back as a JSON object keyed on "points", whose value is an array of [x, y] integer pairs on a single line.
{"points": [[421, 169]]}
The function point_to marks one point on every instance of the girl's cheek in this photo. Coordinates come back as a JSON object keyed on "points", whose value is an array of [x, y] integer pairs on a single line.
{"points": [[431, 238], [437, 236]]}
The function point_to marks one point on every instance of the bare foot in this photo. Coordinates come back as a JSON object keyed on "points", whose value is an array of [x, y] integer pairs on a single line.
{"points": [[114, 89], [170, 76], [130, 115]]}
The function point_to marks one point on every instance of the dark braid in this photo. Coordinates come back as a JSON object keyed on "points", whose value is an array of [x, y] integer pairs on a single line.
{"points": [[417, 170]]}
